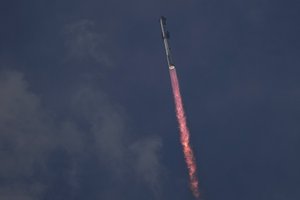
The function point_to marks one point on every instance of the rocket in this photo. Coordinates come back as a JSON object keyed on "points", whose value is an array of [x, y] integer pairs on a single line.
{"points": [[165, 37]]}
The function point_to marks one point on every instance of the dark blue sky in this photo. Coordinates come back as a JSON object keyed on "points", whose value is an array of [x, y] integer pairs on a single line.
{"points": [[86, 110]]}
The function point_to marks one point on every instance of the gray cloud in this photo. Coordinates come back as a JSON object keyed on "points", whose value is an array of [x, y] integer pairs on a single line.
{"points": [[24, 130], [114, 144], [28, 136], [25, 138], [148, 165], [106, 123], [38, 151], [85, 43]]}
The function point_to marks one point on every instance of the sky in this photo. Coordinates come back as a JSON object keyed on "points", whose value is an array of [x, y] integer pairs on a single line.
{"points": [[86, 109]]}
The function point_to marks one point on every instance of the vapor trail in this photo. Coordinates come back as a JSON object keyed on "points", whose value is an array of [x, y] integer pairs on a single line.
{"points": [[184, 134]]}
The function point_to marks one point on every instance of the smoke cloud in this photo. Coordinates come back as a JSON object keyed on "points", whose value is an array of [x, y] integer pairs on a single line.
{"points": [[47, 154]]}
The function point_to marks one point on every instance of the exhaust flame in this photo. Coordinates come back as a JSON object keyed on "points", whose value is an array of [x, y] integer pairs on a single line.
{"points": [[184, 134]]}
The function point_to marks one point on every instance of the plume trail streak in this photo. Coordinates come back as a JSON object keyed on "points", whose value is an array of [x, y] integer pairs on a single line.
{"points": [[184, 134]]}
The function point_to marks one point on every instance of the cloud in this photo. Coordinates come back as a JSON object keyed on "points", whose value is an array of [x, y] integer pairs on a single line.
{"points": [[24, 138], [84, 43], [46, 155], [115, 145], [30, 139], [41, 153], [23, 127], [148, 164], [105, 123]]}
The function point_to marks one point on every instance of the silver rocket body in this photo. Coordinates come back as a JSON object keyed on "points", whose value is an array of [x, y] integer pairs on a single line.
{"points": [[166, 36]]}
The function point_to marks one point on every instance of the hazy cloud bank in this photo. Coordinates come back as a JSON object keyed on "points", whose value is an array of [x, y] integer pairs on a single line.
{"points": [[39, 152]]}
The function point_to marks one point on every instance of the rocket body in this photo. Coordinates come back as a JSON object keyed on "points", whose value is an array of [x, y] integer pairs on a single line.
{"points": [[181, 118], [165, 37]]}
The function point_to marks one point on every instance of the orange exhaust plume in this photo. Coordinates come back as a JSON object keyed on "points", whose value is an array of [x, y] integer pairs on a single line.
{"points": [[184, 134]]}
